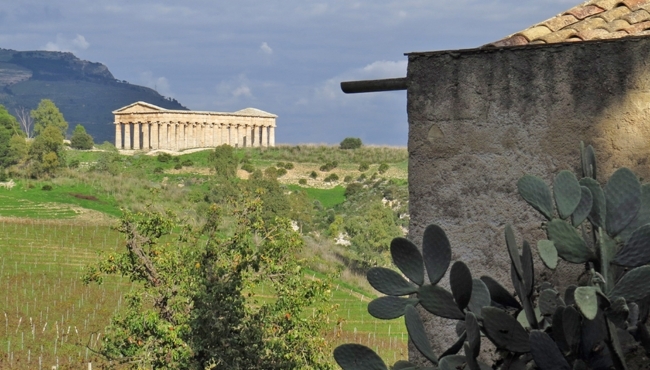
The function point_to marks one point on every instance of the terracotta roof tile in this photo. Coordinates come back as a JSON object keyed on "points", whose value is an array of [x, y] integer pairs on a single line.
{"points": [[591, 20], [640, 15], [605, 4], [590, 23], [582, 12], [534, 33], [559, 36], [617, 25], [614, 13], [596, 34], [560, 22]]}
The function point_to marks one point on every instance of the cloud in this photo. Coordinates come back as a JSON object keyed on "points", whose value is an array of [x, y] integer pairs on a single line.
{"points": [[65, 44], [242, 90], [231, 92], [331, 88], [266, 49], [160, 84]]}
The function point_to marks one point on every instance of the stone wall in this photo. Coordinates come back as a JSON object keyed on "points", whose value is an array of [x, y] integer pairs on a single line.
{"points": [[480, 119]]}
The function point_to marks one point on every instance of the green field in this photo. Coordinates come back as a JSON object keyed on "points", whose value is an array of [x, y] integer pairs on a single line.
{"points": [[327, 197], [51, 316]]}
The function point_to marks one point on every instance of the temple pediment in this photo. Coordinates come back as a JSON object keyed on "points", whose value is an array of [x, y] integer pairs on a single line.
{"points": [[139, 107]]}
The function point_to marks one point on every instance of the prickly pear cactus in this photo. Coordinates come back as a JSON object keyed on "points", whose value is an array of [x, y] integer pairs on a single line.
{"points": [[591, 326]]}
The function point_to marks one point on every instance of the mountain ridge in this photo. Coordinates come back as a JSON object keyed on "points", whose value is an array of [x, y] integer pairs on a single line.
{"points": [[86, 92]]}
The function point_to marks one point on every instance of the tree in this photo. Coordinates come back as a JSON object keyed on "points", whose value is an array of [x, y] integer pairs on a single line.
{"points": [[18, 149], [8, 128], [80, 139], [46, 151], [47, 114], [350, 143], [224, 161], [26, 121], [191, 307]]}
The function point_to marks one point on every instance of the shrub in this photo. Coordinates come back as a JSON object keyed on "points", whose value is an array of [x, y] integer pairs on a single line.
{"points": [[302, 181], [362, 177], [288, 166], [47, 187], [350, 143], [281, 172], [353, 188], [329, 166], [383, 168], [271, 172], [347, 178], [187, 163], [363, 166], [74, 163], [81, 139], [158, 170], [248, 167], [178, 166], [313, 174], [280, 165], [583, 328], [331, 178], [164, 157]]}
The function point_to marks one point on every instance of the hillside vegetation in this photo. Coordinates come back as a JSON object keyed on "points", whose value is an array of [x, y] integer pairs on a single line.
{"points": [[344, 221]]}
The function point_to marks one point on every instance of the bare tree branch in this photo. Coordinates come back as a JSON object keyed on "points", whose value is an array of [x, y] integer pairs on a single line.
{"points": [[26, 121]]}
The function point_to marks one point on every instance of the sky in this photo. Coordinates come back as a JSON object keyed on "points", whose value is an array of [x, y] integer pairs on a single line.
{"points": [[284, 57]]}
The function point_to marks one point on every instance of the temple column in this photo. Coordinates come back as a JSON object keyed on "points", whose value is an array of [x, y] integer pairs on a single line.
{"points": [[265, 140], [220, 134], [127, 136], [203, 132], [190, 135], [163, 135], [255, 136], [173, 140], [136, 136], [182, 135], [209, 138], [118, 135], [271, 136], [240, 136], [232, 139], [154, 135], [146, 144]]}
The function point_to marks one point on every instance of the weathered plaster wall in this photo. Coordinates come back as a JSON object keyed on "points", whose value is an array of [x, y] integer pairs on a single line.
{"points": [[480, 119]]}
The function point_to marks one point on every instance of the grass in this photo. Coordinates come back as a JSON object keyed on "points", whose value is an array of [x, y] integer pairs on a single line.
{"points": [[327, 197], [41, 262], [28, 199], [49, 315]]}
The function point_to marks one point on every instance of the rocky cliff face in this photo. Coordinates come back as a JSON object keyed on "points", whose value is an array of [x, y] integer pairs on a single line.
{"points": [[85, 92]]}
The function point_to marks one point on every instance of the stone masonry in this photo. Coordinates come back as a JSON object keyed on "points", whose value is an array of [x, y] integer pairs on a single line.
{"points": [[143, 126]]}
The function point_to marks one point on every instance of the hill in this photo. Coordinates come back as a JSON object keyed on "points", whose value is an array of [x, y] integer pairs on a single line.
{"points": [[85, 92]]}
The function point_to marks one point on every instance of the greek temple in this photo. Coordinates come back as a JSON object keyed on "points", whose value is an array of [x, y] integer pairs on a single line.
{"points": [[144, 126]]}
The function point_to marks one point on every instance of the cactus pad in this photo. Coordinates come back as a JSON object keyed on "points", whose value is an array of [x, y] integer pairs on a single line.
{"points": [[417, 334], [547, 253], [633, 286], [529, 269], [636, 251], [480, 297], [571, 326], [569, 244], [623, 199], [545, 353], [499, 294], [358, 357], [567, 192], [473, 335], [460, 280], [452, 362], [597, 213], [642, 217], [390, 282], [439, 302], [408, 259], [535, 191], [584, 207], [548, 302], [389, 307], [436, 252], [505, 331], [587, 301], [513, 251]]}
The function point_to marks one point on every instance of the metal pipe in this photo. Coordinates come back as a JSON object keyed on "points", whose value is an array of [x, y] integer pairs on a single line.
{"points": [[364, 86]]}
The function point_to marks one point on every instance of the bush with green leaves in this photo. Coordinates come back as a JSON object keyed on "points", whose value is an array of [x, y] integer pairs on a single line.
{"points": [[164, 157], [364, 166], [382, 168], [329, 166], [302, 181], [331, 178], [187, 163], [158, 170], [313, 174], [288, 166], [81, 139], [74, 163], [248, 167], [350, 143], [600, 323]]}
